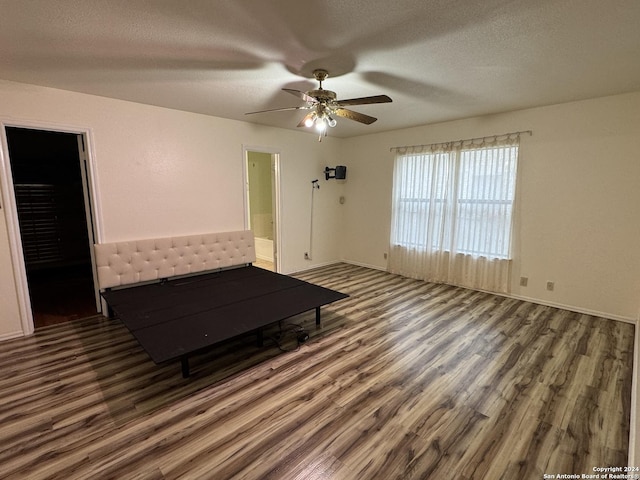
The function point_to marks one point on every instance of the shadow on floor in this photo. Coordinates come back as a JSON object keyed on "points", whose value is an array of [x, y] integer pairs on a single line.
{"points": [[133, 386]]}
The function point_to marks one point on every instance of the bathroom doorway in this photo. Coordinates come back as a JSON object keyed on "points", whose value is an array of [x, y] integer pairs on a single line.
{"points": [[262, 205]]}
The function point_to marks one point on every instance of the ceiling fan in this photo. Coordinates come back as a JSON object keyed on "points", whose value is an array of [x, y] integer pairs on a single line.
{"points": [[324, 106]]}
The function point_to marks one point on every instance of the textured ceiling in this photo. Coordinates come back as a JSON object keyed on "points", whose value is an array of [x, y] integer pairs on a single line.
{"points": [[437, 59]]}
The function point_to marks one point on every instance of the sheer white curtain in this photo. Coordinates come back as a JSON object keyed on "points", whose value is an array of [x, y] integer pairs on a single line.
{"points": [[452, 212]]}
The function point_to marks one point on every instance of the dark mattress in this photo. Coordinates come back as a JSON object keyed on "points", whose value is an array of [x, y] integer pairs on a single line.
{"points": [[179, 316]]}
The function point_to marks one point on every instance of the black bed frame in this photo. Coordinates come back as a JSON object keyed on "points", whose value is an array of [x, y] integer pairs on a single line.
{"points": [[177, 317]]}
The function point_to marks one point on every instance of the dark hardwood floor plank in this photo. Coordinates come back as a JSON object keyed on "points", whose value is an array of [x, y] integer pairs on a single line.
{"points": [[403, 380]]}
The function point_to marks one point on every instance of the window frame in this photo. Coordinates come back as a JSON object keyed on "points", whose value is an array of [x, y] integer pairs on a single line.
{"points": [[449, 240]]}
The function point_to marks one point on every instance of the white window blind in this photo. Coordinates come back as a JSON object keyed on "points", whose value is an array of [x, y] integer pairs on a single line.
{"points": [[453, 212]]}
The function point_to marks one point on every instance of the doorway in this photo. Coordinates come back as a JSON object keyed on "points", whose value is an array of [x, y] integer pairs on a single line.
{"points": [[56, 231], [262, 206]]}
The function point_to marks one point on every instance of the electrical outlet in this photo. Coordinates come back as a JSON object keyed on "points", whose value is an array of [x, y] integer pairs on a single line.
{"points": [[306, 255], [550, 286], [384, 255], [524, 281]]}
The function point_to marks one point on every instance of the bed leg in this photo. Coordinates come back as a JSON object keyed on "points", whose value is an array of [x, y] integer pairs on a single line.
{"points": [[318, 316], [184, 361]]}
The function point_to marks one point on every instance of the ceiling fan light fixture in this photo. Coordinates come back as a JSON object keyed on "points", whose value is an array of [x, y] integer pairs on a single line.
{"points": [[310, 120], [323, 106]]}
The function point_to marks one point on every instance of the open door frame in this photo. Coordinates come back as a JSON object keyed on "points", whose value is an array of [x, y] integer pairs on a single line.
{"points": [[11, 212], [275, 160]]}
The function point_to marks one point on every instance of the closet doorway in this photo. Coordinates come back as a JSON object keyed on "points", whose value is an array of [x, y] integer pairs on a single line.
{"points": [[262, 196], [56, 230]]}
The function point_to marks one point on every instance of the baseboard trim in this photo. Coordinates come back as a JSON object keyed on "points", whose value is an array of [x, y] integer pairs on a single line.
{"points": [[312, 267], [573, 308], [365, 265], [11, 336], [537, 301]]}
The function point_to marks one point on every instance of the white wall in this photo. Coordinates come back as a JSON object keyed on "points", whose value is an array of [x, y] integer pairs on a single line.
{"points": [[579, 199], [163, 172]]}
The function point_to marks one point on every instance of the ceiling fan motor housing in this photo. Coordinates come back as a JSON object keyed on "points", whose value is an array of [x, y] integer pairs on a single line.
{"points": [[322, 95]]}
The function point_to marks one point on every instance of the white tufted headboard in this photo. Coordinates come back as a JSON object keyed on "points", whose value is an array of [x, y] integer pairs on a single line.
{"points": [[123, 263]]}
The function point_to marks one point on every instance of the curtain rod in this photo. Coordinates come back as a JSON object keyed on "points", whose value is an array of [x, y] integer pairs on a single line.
{"points": [[471, 140]]}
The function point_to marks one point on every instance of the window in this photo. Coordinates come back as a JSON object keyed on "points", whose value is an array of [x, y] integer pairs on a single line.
{"points": [[456, 200]]}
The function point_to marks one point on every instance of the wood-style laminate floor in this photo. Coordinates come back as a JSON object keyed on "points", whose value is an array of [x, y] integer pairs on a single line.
{"points": [[404, 380], [60, 294]]}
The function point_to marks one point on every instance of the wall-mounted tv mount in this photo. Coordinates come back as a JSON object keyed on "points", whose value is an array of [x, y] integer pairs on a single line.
{"points": [[339, 173]]}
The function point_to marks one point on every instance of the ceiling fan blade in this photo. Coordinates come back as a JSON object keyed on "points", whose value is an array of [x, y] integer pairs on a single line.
{"points": [[364, 100], [358, 117], [306, 117], [279, 110], [301, 95]]}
